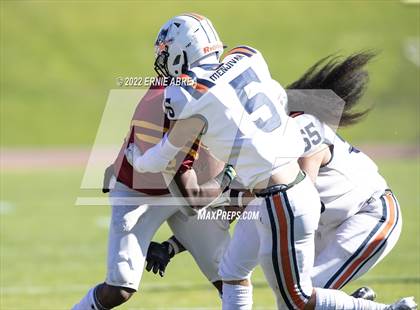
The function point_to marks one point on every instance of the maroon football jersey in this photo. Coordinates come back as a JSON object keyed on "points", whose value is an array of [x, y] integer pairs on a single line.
{"points": [[148, 125]]}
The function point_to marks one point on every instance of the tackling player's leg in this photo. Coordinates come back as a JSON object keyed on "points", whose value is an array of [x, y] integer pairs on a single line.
{"points": [[286, 253], [239, 260], [379, 220], [358, 244]]}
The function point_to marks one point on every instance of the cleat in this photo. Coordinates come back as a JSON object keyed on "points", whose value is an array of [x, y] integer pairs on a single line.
{"points": [[406, 303], [364, 293]]}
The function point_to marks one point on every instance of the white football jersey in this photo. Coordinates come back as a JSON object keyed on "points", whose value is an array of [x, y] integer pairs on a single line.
{"points": [[348, 179], [243, 108]]}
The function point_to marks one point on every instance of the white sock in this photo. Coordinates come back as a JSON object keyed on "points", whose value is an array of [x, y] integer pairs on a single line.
{"points": [[327, 299], [236, 297], [88, 302]]}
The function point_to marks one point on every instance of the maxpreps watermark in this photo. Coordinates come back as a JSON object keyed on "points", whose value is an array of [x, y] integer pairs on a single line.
{"points": [[132, 81], [221, 214]]}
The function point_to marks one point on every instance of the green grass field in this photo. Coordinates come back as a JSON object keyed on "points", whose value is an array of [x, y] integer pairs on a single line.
{"points": [[60, 59], [52, 251]]}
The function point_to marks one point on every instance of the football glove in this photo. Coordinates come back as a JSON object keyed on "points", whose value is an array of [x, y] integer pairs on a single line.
{"points": [[158, 257]]}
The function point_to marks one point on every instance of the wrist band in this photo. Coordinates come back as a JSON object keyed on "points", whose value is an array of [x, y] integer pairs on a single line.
{"points": [[237, 197], [172, 246]]}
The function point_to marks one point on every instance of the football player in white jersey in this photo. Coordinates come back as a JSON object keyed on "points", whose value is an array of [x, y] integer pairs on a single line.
{"points": [[237, 109], [361, 221]]}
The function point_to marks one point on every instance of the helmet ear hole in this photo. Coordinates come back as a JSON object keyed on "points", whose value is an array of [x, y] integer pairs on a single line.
{"points": [[185, 65], [177, 59]]}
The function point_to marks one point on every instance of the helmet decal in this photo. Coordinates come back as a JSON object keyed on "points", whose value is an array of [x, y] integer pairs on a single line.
{"points": [[162, 36]]}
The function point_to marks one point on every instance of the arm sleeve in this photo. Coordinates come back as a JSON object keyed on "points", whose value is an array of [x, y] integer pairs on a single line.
{"points": [[157, 158]]}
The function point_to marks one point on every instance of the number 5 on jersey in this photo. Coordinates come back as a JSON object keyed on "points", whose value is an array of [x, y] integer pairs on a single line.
{"points": [[258, 101]]}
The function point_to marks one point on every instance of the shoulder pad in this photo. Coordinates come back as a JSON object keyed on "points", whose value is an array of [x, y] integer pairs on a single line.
{"points": [[251, 55], [196, 85], [305, 119], [279, 93], [175, 103], [243, 50], [178, 97]]}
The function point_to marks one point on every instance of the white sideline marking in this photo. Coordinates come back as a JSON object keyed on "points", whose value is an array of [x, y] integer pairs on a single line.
{"points": [[6, 207]]}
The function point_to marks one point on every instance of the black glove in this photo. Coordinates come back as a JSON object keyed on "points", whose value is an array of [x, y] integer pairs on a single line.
{"points": [[158, 257]]}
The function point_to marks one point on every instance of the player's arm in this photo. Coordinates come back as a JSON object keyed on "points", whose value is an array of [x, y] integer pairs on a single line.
{"points": [[199, 195], [106, 183], [312, 162], [179, 107], [316, 151], [157, 158]]}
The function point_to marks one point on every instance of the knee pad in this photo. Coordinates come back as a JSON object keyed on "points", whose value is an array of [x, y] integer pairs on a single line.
{"points": [[123, 276]]}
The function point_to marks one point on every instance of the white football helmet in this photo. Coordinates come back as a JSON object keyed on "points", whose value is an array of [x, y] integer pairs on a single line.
{"points": [[182, 41]]}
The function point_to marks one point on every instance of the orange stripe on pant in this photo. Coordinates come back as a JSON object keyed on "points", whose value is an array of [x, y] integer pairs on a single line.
{"points": [[284, 253], [371, 247]]}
